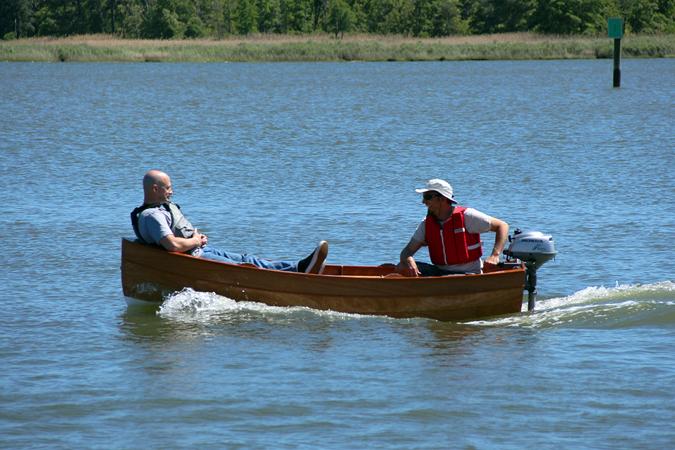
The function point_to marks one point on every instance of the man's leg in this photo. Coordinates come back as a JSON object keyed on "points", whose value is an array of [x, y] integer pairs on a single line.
{"points": [[430, 270], [236, 258], [311, 264]]}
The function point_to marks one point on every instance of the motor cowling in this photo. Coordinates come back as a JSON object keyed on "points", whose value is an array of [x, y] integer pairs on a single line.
{"points": [[534, 248]]}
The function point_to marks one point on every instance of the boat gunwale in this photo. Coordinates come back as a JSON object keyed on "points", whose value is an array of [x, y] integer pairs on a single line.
{"points": [[249, 267]]}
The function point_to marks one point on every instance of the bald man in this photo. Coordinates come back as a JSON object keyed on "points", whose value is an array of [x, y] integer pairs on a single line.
{"points": [[159, 221]]}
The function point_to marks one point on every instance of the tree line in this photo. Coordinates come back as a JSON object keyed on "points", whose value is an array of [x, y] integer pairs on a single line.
{"points": [[176, 19]]}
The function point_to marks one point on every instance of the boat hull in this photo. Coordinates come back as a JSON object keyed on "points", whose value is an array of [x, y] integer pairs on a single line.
{"points": [[151, 274]]}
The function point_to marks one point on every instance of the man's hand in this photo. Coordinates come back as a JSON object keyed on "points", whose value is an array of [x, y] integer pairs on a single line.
{"points": [[177, 244], [501, 230], [408, 267], [492, 259], [201, 239]]}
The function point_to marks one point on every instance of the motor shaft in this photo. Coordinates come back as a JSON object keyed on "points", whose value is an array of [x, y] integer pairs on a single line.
{"points": [[531, 286]]}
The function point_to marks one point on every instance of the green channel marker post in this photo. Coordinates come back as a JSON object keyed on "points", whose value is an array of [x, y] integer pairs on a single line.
{"points": [[615, 30]]}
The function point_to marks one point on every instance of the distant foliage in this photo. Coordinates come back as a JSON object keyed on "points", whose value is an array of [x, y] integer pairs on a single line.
{"points": [[340, 17], [175, 19]]}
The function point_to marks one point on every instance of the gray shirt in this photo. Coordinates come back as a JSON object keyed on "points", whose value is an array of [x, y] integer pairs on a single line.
{"points": [[154, 224]]}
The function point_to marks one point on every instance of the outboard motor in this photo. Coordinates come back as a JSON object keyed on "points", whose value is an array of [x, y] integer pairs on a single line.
{"points": [[534, 248]]}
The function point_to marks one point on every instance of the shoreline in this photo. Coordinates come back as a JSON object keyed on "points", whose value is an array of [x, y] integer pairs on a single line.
{"points": [[316, 48]]}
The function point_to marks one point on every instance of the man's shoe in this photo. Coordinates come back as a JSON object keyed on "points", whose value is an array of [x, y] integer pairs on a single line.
{"points": [[315, 261]]}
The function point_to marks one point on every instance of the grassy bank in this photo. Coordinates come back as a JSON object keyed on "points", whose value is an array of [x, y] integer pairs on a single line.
{"points": [[325, 48]]}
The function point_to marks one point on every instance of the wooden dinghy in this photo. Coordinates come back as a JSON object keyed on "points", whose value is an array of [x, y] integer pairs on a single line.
{"points": [[150, 273]]}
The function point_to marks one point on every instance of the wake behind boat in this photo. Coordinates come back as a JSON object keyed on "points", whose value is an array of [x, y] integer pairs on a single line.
{"points": [[151, 274]]}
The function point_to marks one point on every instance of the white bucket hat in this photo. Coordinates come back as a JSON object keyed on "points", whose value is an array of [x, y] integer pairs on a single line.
{"points": [[440, 186]]}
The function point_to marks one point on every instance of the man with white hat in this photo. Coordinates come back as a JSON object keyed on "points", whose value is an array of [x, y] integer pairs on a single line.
{"points": [[452, 234]]}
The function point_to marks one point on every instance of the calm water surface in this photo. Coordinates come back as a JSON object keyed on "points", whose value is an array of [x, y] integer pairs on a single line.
{"points": [[271, 158]]}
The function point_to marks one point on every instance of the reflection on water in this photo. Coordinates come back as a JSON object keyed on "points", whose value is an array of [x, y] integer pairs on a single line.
{"points": [[451, 334], [141, 323]]}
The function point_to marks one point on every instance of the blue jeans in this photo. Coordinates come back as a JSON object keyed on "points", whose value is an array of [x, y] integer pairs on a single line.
{"points": [[209, 252]]}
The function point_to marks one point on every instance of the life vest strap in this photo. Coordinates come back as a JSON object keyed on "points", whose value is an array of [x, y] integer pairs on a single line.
{"points": [[137, 212]]}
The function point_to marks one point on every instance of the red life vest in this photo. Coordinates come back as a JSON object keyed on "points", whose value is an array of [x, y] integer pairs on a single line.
{"points": [[450, 243]]}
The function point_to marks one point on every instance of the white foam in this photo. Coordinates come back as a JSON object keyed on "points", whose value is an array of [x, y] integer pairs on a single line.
{"points": [[596, 303], [591, 303], [190, 305], [600, 293]]}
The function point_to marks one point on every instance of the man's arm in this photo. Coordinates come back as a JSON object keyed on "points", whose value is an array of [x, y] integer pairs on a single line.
{"points": [[177, 244], [407, 265], [501, 230]]}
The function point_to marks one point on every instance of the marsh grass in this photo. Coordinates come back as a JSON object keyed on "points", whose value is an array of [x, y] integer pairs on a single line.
{"points": [[512, 46]]}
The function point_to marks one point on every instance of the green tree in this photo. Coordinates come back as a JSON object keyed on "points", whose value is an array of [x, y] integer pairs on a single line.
{"points": [[230, 16], [168, 24], [16, 18], [319, 10], [666, 16], [359, 8], [59, 18], [269, 12], [112, 9], [447, 19], [172, 19], [572, 16], [247, 17], [295, 16], [163, 22], [391, 17], [130, 18], [45, 24], [648, 16], [501, 16], [340, 18], [211, 12], [421, 19], [93, 10], [194, 28]]}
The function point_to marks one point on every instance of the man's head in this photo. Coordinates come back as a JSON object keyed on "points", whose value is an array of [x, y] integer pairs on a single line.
{"points": [[438, 197], [157, 187], [437, 187]]}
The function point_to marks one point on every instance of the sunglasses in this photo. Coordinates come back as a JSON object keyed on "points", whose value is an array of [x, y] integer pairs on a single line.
{"points": [[429, 196]]}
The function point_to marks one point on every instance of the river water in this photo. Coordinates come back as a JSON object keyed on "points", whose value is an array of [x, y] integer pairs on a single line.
{"points": [[271, 158]]}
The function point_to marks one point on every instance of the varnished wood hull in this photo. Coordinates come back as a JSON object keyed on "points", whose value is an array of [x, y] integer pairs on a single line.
{"points": [[150, 274]]}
